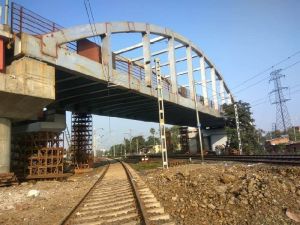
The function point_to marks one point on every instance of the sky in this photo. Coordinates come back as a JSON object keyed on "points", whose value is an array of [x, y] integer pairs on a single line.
{"points": [[241, 37]]}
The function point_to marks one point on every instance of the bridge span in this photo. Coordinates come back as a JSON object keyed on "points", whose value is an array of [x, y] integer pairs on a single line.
{"points": [[62, 69], [111, 84]]}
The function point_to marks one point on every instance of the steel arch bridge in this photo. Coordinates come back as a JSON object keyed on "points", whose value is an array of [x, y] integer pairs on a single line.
{"points": [[96, 79]]}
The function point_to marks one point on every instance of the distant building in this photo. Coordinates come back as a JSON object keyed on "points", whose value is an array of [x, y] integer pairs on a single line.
{"points": [[278, 141], [282, 145], [152, 149], [297, 128]]}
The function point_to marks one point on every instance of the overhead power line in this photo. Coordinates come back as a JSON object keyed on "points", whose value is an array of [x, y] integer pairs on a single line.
{"points": [[267, 69], [287, 67], [215, 93], [265, 78], [267, 100], [91, 19]]}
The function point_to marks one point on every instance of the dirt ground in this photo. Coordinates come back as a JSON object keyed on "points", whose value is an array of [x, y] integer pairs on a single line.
{"points": [[228, 193], [213, 193], [53, 202]]}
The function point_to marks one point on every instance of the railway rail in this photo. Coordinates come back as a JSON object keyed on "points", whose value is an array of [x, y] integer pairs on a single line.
{"points": [[118, 197], [274, 159]]}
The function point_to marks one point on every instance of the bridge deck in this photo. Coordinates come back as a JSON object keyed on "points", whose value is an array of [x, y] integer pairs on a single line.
{"points": [[82, 94]]}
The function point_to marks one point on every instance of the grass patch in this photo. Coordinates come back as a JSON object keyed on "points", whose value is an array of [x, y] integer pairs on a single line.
{"points": [[141, 166]]}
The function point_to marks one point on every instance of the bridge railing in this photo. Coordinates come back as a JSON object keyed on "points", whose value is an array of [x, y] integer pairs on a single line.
{"points": [[24, 20], [137, 71], [128, 67]]}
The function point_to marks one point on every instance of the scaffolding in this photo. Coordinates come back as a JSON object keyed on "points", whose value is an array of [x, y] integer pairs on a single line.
{"points": [[38, 155], [82, 133]]}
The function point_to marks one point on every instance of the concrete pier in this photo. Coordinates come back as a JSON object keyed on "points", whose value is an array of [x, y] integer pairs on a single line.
{"points": [[5, 141]]}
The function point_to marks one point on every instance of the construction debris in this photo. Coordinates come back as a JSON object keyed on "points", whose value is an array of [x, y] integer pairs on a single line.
{"points": [[7, 179], [33, 193]]}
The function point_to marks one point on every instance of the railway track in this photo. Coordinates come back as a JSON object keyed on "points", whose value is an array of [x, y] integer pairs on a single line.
{"points": [[118, 197], [274, 159]]}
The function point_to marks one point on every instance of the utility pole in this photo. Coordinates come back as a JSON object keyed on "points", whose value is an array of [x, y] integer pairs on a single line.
{"points": [[198, 124], [161, 115], [94, 144], [295, 138], [237, 122], [125, 148], [137, 145], [130, 140], [6, 12], [114, 151]]}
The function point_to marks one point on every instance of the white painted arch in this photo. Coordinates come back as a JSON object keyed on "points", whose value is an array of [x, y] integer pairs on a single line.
{"points": [[52, 40]]}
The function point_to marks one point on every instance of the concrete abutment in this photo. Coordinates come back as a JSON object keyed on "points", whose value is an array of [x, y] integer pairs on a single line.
{"points": [[25, 89]]}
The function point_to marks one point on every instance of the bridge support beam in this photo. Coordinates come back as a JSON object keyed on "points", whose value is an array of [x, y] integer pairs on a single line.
{"points": [[214, 88], [172, 64], [203, 80], [107, 62], [190, 70], [222, 94], [214, 138], [147, 58], [5, 140]]}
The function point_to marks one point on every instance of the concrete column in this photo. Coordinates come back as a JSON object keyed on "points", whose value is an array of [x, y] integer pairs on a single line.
{"points": [[5, 138], [203, 80], [214, 88], [222, 94], [147, 58], [107, 56], [172, 64], [190, 70], [229, 101]]}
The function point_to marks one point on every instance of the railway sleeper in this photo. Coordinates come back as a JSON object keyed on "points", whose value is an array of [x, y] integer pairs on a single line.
{"points": [[106, 193], [127, 201], [108, 200], [104, 216], [103, 210], [110, 197]]}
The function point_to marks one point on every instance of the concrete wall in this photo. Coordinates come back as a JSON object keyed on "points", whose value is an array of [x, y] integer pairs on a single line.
{"points": [[27, 87], [193, 145], [216, 137]]}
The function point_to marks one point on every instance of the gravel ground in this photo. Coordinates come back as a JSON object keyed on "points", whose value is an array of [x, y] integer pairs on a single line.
{"points": [[53, 202], [228, 193]]}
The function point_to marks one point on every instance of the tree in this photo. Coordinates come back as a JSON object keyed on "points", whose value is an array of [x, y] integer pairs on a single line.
{"points": [[174, 132], [248, 132], [119, 150], [137, 143], [151, 140], [294, 134], [152, 132]]}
